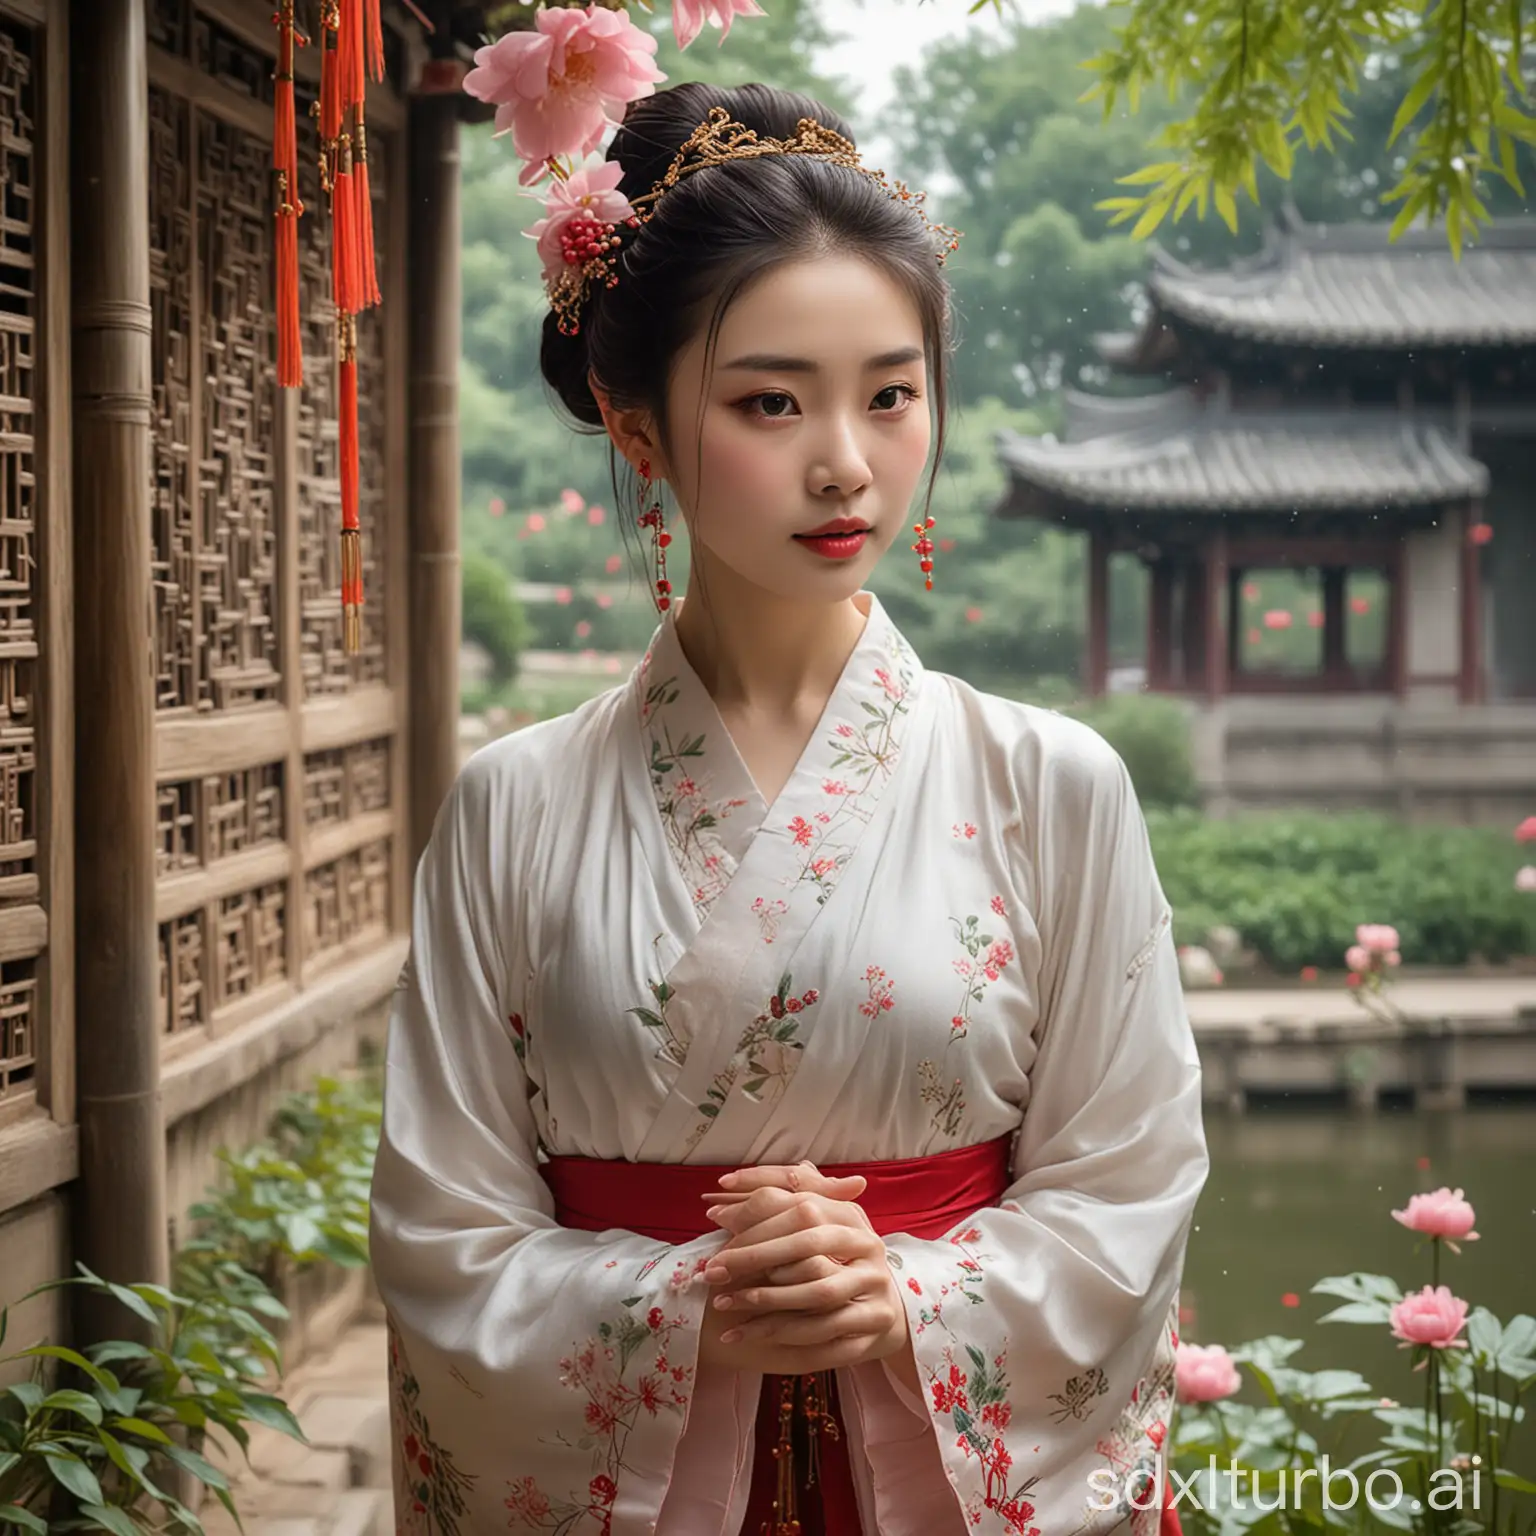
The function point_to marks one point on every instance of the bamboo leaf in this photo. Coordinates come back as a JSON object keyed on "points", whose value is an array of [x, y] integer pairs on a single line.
{"points": [[103, 1378], [1411, 105], [1150, 175], [11, 1514], [198, 1466], [67, 1401]]}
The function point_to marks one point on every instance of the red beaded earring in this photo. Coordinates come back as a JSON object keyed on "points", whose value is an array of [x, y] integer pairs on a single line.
{"points": [[924, 550], [650, 517]]}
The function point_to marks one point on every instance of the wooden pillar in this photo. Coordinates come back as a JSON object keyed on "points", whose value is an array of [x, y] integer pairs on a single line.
{"points": [[1192, 636], [1335, 619], [1097, 669], [1217, 606], [120, 1203], [1160, 625], [1470, 689], [434, 297], [1397, 619]]}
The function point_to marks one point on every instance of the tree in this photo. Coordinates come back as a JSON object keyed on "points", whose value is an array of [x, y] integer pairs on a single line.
{"points": [[1265, 78]]}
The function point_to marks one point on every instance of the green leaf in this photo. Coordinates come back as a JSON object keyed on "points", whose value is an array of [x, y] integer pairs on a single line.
{"points": [[1513, 1481], [67, 1401], [110, 1518], [1413, 102], [73, 1474], [261, 1408], [143, 1429], [1226, 206], [1359, 1286], [28, 1393], [198, 1466], [1374, 1312], [12, 1514], [103, 1378], [1151, 175]]}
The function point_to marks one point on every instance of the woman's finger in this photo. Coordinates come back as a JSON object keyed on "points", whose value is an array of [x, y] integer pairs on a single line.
{"points": [[732, 1265], [858, 1319], [775, 1213], [826, 1293], [801, 1178], [800, 1274]]}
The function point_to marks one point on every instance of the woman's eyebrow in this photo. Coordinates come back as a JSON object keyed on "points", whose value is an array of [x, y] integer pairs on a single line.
{"points": [[772, 362]]}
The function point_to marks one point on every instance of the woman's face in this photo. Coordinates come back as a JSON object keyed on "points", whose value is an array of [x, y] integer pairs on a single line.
{"points": [[800, 444]]}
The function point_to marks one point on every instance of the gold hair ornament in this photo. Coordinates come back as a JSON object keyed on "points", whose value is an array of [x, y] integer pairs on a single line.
{"points": [[593, 262]]}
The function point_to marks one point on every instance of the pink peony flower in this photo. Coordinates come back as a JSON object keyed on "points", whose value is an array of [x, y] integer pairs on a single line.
{"points": [[1444, 1213], [1379, 938], [1277, 618], [570, 500], [556, 88], [689, 16], [1525, 878], [1204, 1372], [1526, 831], [585, 200], [1357, 957], [1431, 1317]]}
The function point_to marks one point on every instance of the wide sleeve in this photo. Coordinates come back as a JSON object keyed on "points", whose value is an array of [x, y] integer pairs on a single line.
{"points": [[1044, 1328], [540, 1377]]}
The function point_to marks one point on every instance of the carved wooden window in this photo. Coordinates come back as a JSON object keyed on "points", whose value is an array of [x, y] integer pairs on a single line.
{"points": [[23, 928], [274, 861]]}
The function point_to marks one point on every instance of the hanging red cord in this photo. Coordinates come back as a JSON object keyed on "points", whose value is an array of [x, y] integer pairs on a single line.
{"points": [[285, 162]]}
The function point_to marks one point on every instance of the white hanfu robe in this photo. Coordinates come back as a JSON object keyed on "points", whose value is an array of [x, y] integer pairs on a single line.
{"points": [[947, 928]]}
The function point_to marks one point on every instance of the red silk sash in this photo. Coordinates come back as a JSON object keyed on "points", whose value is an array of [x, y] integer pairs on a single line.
{"points": [[921, 1196]]}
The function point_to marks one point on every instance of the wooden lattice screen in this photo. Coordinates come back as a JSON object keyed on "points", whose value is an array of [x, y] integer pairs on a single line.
{"points": [[278, 756], [22, 921]]}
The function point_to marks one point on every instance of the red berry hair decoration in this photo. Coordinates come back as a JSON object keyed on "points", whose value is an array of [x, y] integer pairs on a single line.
{"points": [[924, 550]]}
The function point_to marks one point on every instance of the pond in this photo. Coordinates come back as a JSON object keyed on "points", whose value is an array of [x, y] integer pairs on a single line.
{"points": [[1295, 1195]]}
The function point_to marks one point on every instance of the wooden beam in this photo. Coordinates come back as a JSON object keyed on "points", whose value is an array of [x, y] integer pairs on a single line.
{"points": [[182, 893], [342, 837], [189, 746], [342, 720], [35, 1156], [290, 649], [182, 78], [121, 1196], [435, 599], [1335, 621], [1397, 621]]}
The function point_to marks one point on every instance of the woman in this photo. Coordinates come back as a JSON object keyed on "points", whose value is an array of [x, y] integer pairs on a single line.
{"points": [[792, 1121]]}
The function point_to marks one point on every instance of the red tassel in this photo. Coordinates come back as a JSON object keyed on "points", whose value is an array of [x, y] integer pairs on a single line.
{"points": [[350, 53], [285, 161], [330, 95], [375, 40], [368, 277], [344, 264], [351, 534]]}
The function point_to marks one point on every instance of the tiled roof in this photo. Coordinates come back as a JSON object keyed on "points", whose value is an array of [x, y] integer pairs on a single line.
{"points": [[1346, 285], [1172, 455]]}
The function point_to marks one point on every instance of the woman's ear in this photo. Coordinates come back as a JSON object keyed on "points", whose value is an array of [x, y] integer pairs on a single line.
{"points": [[631, 431]]}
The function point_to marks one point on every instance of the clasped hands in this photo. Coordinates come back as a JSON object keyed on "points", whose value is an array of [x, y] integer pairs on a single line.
{"points": [[803, 1283]]}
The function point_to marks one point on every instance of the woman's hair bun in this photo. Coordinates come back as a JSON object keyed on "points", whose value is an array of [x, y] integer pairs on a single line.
{"points": [[656, 127]]}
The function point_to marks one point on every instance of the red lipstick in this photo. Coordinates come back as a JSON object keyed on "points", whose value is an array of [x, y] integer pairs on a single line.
{"points": [[840, 539]]}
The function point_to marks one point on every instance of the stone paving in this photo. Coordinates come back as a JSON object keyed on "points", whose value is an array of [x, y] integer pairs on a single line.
{"points": [[337, 1485]]}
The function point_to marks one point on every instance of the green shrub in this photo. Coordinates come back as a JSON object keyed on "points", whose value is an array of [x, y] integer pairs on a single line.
{"points": [[1151, 734], [1296, 885], [493, 617]]}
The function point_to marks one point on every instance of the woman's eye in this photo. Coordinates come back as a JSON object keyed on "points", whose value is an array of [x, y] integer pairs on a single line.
{"points": [[773, 403], [893, 396]]}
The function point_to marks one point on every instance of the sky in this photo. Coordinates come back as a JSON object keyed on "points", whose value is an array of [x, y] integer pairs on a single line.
{"points": [[880, 35]]}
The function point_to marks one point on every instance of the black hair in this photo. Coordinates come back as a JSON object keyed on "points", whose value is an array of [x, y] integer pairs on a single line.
{"points": [[714, 232]]}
